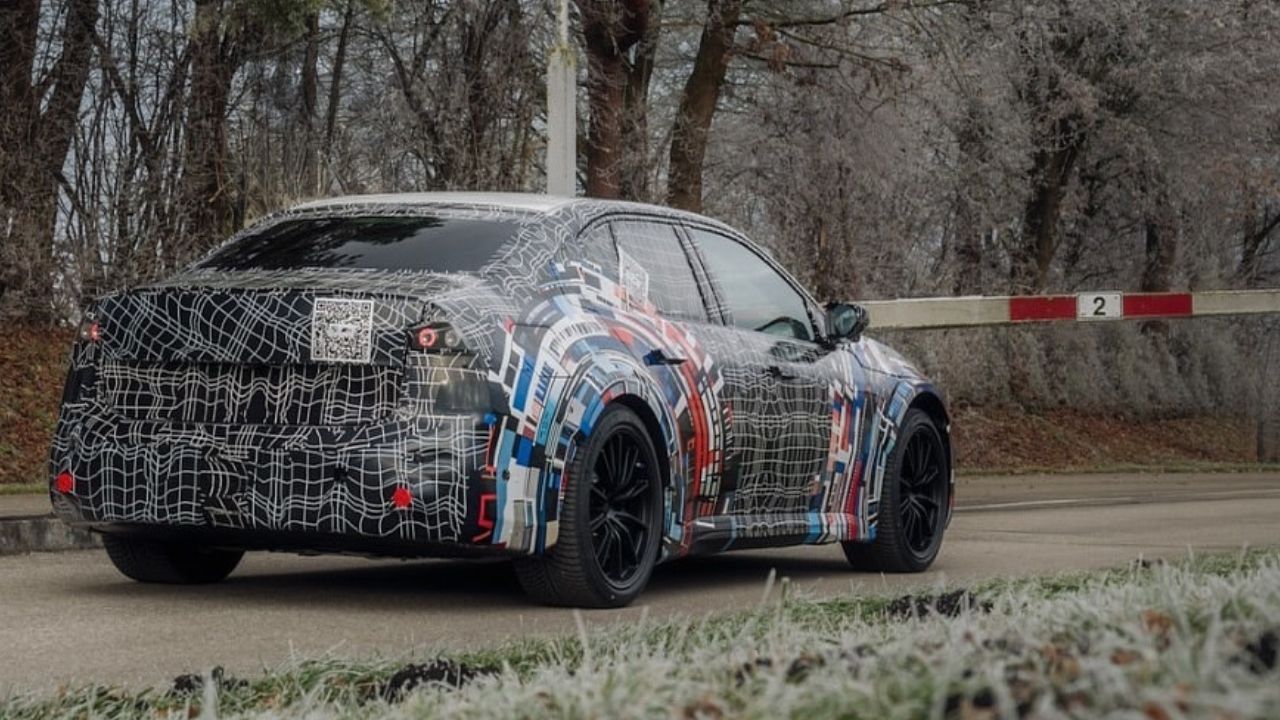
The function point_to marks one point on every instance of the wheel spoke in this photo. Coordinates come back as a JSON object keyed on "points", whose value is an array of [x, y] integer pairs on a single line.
{"points": [[602, 550], [625, 517], [620, 544], [908, 518], [597, 492], [626, 541], [632, 491], [619, 463], [605, 473], [628, 472], [931, 522], [597, 521]]}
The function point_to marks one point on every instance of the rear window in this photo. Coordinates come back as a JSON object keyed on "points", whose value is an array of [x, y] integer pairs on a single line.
{"points": [[430, 243]]}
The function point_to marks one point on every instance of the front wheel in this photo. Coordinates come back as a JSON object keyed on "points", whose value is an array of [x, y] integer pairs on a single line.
{"points": [[913, 503], [610, 524], [169, 563]]}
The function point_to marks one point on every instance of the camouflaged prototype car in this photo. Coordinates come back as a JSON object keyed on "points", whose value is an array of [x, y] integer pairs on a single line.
{"points": [[588, 387]]}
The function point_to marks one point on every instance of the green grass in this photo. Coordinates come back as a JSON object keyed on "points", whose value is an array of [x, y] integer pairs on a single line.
{"points": [[36, 488], [1155, 640]]}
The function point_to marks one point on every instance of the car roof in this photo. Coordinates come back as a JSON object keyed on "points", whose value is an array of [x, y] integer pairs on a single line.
{"points": [[509, 201], [533, 203]]}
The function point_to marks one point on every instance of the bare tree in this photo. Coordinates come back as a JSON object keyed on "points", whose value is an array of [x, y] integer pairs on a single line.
{"points": [[36, 131], [698, 104], [610, 28]]}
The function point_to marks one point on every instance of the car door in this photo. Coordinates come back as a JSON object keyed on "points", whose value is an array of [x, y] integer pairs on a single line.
{"points": [[778, 397], [656, 264]]}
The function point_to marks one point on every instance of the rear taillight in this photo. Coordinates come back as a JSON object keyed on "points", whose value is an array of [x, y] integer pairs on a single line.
{"points": [[437, 337], [90, 331]]}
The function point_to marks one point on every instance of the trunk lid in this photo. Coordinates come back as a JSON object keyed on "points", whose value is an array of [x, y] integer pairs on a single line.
{"points": [[243, 355]]}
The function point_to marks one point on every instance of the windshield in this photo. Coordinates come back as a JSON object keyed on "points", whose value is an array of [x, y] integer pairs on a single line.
{"points": [[429, 243]]}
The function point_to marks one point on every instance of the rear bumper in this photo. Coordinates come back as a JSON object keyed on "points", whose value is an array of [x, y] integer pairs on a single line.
{"points": [[397, 485]]}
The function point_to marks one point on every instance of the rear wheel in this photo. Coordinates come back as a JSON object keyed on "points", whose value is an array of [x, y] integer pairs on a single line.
{"points": [[170, 563], [610, 526], [913, 503]]}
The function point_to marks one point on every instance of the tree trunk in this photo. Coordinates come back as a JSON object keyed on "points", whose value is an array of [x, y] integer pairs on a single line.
{"points": [[968, 225], [1160, 253], [335, 86], [1260, 224], [698, 104], [18, 108], [37, 125], [636, 172], [207, 193], [611, 28], [1032, 257], [604, 138], [308, 91]]}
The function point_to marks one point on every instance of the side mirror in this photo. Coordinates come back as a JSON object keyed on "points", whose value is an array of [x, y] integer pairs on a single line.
{"points": [[846, 321]]}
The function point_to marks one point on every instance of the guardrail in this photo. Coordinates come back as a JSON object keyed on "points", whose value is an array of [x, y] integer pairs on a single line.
{"points": [[972, 311]]}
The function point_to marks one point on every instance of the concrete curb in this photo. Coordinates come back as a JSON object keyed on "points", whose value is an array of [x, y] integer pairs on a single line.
{"points": [[43, 533]]}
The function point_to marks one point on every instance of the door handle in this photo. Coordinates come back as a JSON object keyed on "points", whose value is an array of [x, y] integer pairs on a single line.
{"points": [[658, 357], [777, 373]]}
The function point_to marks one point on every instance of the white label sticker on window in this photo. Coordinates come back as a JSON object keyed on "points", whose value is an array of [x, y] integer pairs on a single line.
{"points": [[635, 279]]}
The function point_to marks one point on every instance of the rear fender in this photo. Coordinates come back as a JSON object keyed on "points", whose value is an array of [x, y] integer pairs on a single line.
{"points": [[571, 357]]}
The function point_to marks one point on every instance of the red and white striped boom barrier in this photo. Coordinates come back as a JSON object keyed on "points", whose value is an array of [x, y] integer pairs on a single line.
{"points": [[951, 312]]}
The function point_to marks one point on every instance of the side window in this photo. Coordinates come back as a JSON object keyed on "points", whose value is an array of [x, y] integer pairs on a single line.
{"points": [[756, 296], [652, 262], [597, 247]]}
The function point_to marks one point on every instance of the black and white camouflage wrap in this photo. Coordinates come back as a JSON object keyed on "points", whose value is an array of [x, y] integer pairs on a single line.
{"points": [[271, 403]]}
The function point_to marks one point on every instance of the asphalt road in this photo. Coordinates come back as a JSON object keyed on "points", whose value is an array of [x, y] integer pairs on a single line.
{"points": [[68, 617]]}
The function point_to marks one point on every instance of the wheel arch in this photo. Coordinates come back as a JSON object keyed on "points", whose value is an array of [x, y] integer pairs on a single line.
{"points": [[622, 382], [931, 403], [657, 436]]}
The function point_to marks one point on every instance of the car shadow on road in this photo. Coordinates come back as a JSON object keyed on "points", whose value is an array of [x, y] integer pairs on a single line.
{"points": [[427, 584]]}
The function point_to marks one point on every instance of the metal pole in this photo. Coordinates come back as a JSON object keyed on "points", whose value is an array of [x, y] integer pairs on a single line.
{"points": [[562, 92]]}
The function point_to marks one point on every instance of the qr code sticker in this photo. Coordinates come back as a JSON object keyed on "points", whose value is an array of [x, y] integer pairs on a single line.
{"points": [[342, 330]]}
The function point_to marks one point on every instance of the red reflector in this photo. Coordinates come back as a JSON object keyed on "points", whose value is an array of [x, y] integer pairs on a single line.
{"points": [[485, 518], [64, 484], [91, 332], [1158, 305], [1049, 307], [401, 498]]}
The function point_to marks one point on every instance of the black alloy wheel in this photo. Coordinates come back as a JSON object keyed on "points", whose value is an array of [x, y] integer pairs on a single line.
{"points": [[620, 509], [922, 493], [914, 502], [610, 523]]}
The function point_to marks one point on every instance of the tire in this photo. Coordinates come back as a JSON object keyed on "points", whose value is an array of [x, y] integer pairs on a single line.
{"points": [[607, 521], [899, 546], [170, 563]]}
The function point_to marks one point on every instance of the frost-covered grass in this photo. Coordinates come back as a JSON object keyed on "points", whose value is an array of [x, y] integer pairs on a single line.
{"points": [[1190, 639]]}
